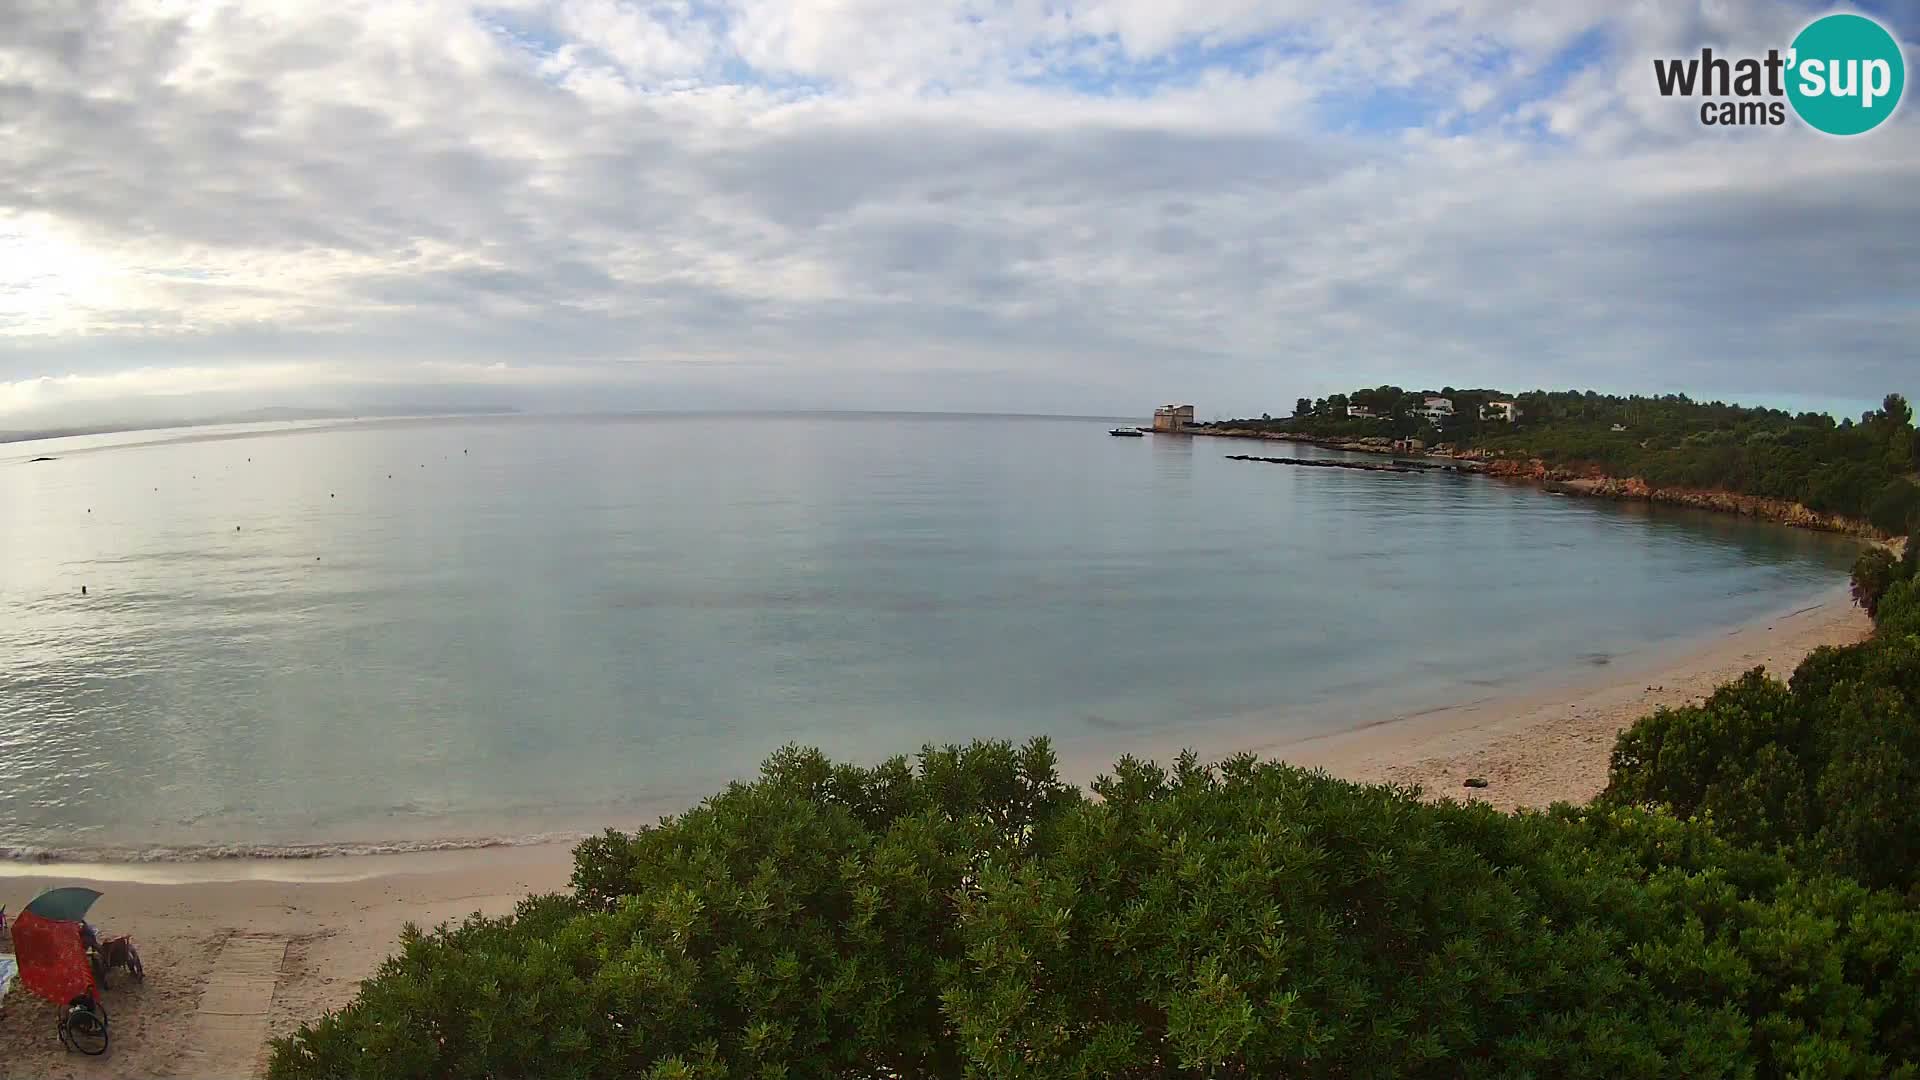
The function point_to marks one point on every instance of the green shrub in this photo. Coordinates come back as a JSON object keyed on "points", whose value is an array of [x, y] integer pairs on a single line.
{"points": [[1736, 756], [1822, 770], [1869, 754], [796, 926], [1899, 612], [1874, 572], [1895, 509]]}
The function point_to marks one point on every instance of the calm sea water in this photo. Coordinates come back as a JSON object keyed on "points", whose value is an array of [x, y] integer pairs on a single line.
{"points": [[409, 631]]}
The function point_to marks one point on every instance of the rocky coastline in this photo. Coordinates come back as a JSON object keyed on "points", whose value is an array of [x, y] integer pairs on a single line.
{"points": [[1588, 483]]}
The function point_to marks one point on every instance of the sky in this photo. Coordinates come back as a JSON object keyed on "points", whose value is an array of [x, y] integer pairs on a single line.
{"points": [[1065, 206]]}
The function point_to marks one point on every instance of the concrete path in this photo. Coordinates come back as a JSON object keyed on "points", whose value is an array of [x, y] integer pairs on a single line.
{"points": [[230, 1025]]}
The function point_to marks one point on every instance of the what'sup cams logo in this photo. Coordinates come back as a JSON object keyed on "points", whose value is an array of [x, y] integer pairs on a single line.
{"points": [[1843, 75]]}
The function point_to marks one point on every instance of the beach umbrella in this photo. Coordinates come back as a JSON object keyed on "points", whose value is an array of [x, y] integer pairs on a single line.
{"points": [[63, 905]]}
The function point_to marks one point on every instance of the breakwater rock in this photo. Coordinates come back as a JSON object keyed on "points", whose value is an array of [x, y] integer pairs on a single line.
{"points": [[1397, 465], [1437, 458], [1323, 463]]}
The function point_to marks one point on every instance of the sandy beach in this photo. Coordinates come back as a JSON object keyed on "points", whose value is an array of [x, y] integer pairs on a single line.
{"points": [[240, 951], [1551, 744]]}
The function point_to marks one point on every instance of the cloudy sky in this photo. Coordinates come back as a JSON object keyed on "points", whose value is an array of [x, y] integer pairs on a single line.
{"points": [[1025, 205]]}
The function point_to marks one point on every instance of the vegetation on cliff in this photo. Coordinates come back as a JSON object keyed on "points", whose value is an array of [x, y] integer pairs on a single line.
{"points": [[1858, 469], [1741, 902]]}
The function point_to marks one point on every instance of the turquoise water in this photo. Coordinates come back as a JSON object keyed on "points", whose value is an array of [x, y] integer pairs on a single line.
{"points": [[409, 632]]}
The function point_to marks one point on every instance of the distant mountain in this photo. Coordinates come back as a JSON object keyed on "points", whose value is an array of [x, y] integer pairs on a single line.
{"points": [[267, 415]]}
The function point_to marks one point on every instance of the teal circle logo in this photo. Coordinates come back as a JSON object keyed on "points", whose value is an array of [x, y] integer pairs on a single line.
{"points": [[1845, 75]]}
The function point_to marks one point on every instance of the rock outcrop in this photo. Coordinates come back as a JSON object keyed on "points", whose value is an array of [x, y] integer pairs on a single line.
{"points": [[1600, 486]]}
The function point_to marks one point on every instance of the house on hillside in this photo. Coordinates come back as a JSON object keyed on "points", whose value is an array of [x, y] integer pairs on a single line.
{"points": [[1500, 410], [1173, 418], [1360, 412], [1435, 409]]}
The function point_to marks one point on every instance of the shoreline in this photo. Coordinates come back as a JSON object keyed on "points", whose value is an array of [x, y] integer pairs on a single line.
{"points": [[332, 920], [1552, 742], [1537, 741]]}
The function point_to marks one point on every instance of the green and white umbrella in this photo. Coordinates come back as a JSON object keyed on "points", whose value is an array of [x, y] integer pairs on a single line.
{"points": [[63, 905]]}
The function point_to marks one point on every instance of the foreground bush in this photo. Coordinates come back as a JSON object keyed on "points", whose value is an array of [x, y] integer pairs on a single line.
{"points": [[1899, 614], [1897, 508], [797, 926], [1823, 770], [974, 917], [1874, 572]]}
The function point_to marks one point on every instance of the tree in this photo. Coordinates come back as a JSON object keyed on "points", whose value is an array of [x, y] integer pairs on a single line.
{"points": [[1897, 507], [1874, 572], [1302, 408], [1898, 413]]}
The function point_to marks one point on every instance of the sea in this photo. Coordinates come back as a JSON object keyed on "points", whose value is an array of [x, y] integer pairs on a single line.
{"points": [[300, 639]]}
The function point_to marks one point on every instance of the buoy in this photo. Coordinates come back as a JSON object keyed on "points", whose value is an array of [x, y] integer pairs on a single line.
{"points": [[83, 590], [236, 528]]}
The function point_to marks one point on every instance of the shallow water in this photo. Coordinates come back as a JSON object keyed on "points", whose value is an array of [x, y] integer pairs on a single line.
{"points": [[409, 632]]}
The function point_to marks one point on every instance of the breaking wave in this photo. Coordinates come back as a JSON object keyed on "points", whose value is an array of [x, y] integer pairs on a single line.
{"points": [[188, 853]]}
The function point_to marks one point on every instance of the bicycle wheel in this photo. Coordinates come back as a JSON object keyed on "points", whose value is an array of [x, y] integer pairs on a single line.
{"points": [[83, 1027]]}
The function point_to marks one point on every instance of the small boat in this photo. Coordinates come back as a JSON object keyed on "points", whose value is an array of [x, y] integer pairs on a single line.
{"points": [[1126, 433]]}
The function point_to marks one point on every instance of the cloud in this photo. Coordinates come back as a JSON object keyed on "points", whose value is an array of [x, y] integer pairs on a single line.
{"points": [[1081, 206]]}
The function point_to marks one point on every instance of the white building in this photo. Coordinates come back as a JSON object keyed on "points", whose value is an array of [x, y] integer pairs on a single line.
{"points": [[1500, 410], [1437, 410], [1360, 411]]}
